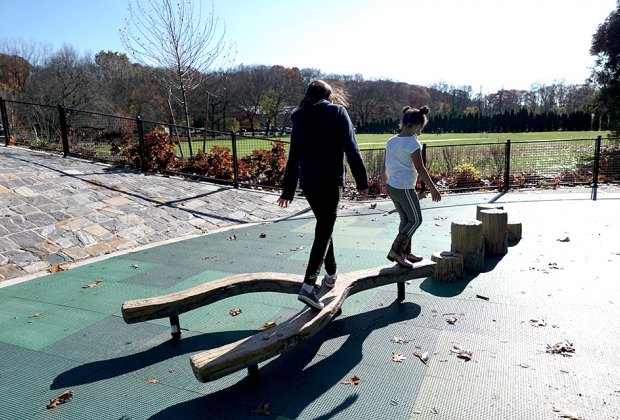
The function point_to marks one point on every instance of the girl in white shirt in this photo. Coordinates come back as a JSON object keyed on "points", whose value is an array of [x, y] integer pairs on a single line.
{"points": [[403, 165]]}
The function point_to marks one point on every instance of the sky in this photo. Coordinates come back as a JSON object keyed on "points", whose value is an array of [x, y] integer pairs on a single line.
{"points": [[486, 44]]}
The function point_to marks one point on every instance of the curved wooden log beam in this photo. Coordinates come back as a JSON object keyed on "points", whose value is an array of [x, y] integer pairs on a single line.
{"points": [[173, 304], [248, 352]]}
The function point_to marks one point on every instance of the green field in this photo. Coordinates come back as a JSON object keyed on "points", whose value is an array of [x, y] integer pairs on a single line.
{"points": [[377, 141], [245, 145]]}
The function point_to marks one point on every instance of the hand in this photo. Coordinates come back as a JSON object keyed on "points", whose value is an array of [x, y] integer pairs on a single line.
{"points": [[283, 202], [363, 194], [435, 194]]}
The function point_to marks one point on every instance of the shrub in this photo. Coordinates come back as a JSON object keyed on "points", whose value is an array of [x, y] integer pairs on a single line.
{"points": [[265, 167], [217, 164], [465, 176], [159, 150]]}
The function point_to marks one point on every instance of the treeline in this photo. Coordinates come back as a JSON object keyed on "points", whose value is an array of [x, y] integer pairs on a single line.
{"points": [[505, 122], [264, 97], [518, 122]]}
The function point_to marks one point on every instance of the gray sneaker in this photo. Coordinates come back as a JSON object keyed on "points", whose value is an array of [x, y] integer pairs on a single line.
{"points": [[310, 299], [329, 280]]}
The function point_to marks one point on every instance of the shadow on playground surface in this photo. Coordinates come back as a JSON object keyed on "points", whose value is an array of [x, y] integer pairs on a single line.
{"points": [[56, 335]]}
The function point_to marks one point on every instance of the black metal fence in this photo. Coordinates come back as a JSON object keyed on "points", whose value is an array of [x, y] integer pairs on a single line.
{"points": [[241, 159]]}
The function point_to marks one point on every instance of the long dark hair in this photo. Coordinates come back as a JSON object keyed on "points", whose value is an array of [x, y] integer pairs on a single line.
{"points": [[320, 89]]}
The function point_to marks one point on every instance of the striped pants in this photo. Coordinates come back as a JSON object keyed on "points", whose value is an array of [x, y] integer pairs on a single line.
{"points": [[408, 207]]}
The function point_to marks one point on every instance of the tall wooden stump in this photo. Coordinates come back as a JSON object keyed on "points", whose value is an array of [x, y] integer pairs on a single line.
{"points": [[481, 207], [468, 241], [494, 223]]}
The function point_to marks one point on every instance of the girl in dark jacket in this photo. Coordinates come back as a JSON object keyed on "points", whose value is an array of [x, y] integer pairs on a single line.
{"points": [[322, 136]]}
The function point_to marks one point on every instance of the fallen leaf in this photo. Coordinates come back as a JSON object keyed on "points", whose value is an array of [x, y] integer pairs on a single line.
{"points": [[373, 205], [134, 266], [423, 356], [482, 297], [152, 381], [95, 284], [538, 323], [567, 239], [279, 253], [563, 347], [262, 235], [61, 399], [566, 414], [451, 320], [232, 238], [298, 248], [57, 268], [462, 353], [397, 357], [170, 370], [234, 312], [398, 340], [261, 410], [38, 314], [267, 325], [354, 380]]}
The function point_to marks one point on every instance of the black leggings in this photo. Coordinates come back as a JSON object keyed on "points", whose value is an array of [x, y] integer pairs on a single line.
{"points": [[324, 204]]}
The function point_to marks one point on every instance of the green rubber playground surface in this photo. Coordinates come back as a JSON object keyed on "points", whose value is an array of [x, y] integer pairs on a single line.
{"points": [[56, 335]]}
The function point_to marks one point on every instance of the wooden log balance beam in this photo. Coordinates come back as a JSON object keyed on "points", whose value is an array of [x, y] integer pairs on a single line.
{"points": [[248, 352]]}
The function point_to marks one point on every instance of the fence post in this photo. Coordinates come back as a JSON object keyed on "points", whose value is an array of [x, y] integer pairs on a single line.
{"points": [[507, 167], [141, 146], [62, 116], [5, 122], [597, 166], [235, 163], [422, 185]]}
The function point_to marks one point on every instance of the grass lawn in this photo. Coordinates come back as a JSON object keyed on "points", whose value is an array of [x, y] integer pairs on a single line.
{"points": [[245, 145], [377, 141]]}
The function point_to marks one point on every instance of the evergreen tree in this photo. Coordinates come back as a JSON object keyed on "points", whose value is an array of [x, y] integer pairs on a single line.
{"points": [[606, 48]]}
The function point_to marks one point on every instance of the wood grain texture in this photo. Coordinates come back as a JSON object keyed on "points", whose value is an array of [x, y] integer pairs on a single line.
{"points": [[140, 310], [468, 241], [215, 363], [248, 352]]}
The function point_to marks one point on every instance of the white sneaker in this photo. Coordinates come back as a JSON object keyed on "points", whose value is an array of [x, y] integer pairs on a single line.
{"points": [[329, 280]]}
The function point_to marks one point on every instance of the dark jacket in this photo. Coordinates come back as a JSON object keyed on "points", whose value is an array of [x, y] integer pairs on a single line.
{"points": [[322, 135]]}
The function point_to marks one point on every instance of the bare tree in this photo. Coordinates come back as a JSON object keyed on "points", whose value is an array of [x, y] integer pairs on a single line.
{"points": [[67, 79], [176, 36], [19, 62]]}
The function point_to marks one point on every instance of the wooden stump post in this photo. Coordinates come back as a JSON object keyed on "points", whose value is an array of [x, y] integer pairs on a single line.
{"points": [[494, 222], [481, 207], [514, 231], [449, 266], [468, 241]]}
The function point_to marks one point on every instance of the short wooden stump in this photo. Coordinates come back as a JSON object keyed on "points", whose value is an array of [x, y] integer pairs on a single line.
{"points": [[514, 230], [468, 241], [449, 266]]}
